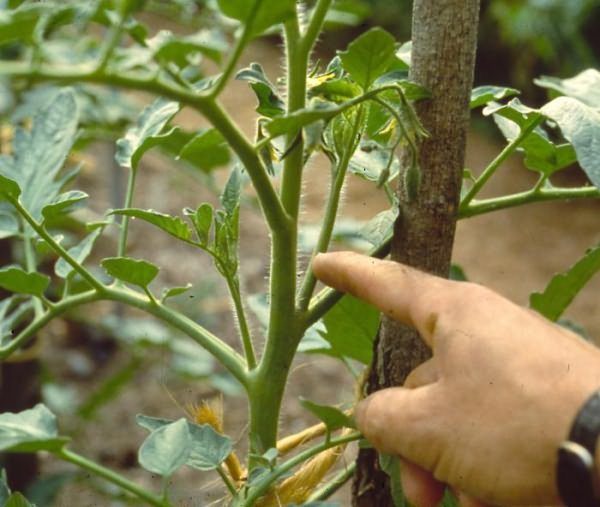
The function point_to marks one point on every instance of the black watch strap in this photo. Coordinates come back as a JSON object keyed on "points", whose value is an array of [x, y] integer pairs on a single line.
{"points": [[576, 473]]}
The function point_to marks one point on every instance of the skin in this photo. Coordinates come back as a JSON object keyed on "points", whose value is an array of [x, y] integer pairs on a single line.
{"points": [[486, 414]]}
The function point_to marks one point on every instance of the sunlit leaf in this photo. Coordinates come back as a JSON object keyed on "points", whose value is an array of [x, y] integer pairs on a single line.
{"points": [[202, 218], [270, 104], [15, 279], [63, 204], [369, 56], [173, 225], [169, 48], [580, 124], [166, 449], [147, 133], [32, 430], [482, 95], [333, 417], [585, 86], [564, 287], [79, 252], [133, 271], [174, 292]]}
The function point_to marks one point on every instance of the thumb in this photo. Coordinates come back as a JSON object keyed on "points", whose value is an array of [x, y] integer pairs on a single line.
{"points": [[403, 422]]}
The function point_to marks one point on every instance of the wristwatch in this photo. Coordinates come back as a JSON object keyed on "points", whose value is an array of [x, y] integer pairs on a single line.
{"points": [[577, 475]]}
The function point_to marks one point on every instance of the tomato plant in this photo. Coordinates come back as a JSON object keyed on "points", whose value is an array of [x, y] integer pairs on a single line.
{"points": [[356, 110]]}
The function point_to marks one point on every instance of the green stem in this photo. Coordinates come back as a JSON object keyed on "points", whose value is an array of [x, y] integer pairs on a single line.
{"points": [[271, 205], [315, 25], [112, 477], [227, 481], [114, 37], [240, 45], [324, 492], [122, 248], [263, 486], [508, 150], [335, 191], [479, 207], [57, 309], [246, 336], [31, 265], [41, 231], [324, 300]]}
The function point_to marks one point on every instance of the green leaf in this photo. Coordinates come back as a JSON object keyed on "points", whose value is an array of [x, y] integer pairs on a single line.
{"points": [[32, 430], [585, 86], [207, 150], [563, 288], [133, 271], [351, 326], [230, 198], [174, 292], [63, 204], [4, 489], [580, 124], [166, 449], [8, 188], [39, 154], [79, 252], [270, 103], [380, 227], [261, 14], [481, 95], [202, 219], [390, 464], [175, 226], [344, 13], [208, 449], [332, 417], [18, 500], [147, 133], [169, 48], [14, 279], [370, 160], [318, 110], [369, 56]]}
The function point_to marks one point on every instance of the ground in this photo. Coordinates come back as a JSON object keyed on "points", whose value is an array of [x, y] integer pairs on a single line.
{"points": [[514, 252]]}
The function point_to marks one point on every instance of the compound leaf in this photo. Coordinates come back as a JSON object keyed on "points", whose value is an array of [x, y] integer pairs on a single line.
{"points": [[369, 56], [563, 288], [580, 124], [166, 449], [175, 226], [14, 279], [134, 271], [32, 430], [147, 132]]}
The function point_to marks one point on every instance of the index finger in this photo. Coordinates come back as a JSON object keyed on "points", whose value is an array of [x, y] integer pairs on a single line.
{"points": [[402, 293]]}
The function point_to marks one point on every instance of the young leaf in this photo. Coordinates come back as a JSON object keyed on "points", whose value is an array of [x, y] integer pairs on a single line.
{"points": [[481, 95], [17, 500], [230, 198], [351, 326], [30, 431], [208, 449], [332, 417], [166, 449], [563, 288], [174, 291], [585, 86], [79, 252], [147, 132], [202, 219], [580, 124], [206, 151], [270, 103], [133, 271], [175, 226], [15, 279], [259, 14], [39, 155], [369, 56], [63, 204]]}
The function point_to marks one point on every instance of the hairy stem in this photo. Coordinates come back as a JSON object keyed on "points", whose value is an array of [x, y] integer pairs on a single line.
{"points": [[315, 25], [112, 477], [31, 265], [341, 478], [508, 150], [246, 336]]}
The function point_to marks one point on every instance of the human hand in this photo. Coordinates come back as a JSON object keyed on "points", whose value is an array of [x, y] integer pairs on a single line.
{"points": [[487, 413]]}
